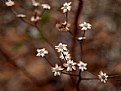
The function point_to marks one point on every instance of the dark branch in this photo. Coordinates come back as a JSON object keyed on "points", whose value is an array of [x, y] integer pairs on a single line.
{"points": [[76, 28]]}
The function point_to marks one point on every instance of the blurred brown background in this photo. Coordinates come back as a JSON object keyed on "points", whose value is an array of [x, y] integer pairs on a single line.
{"points": [[21, 70]]}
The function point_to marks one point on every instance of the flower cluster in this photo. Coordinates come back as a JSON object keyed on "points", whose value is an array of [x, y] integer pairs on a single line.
{"points": [[65, 26], [84, 26], [64, 55], [69, 64], [36, 13]]}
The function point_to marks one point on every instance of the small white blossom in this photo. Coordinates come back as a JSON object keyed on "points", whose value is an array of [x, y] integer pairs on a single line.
{"points": [[46, 6], [61, 47], [34, 3], [21, 16], [35, 18], [70, 65], [63, 26], [41, 52], [82, 66], [57, 70], [81, 38], [10, 3], [66, 7], [103, 77], [65, 55], [66, 26], [85, 26]]}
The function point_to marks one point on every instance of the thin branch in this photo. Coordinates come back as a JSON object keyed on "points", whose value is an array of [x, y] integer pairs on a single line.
{"points": [[81, 54], [66, 16], [49, 43], [81, 46], [69, 74], [114, 76], [90, 78], [79, 80], [48, 61], [25, 21], [64, 56]]}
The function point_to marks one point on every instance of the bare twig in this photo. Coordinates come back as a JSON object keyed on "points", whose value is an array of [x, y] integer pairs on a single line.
{"points": [[81, 49]]}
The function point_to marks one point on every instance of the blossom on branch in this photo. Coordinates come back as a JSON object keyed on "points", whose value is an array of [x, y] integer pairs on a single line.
{"points": [[85, 26], [20, 15], [46, 6], [57, 70], [66, 7], [65, 55], [103, 77], [35, 3], [63, 26], [10, 3], [61, 47], [35, 18], [70, 65], [81, 38], [82, 66], [41, 52]]}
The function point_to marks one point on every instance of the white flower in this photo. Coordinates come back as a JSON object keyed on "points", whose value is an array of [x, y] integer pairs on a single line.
{"points": [[70, 65], [66, 7], [9, 3], [81, 38], [46, 6], [65, 55], [103, 77], [61, 47], [56, 70], [21, 16], [63, 26], [35, 18], [66, 26], [82, 65], [34, 3], [41, 52], [85, 26]]}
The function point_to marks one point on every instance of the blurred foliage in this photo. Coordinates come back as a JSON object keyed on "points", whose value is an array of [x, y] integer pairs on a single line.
{"points": [[17, 46], [45, 17]]}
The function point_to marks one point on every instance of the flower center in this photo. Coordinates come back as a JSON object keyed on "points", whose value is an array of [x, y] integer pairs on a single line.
{"points": [[60, 47], [82, 66], [41, 52], [70, 65], [103, 77]]}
